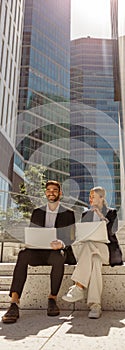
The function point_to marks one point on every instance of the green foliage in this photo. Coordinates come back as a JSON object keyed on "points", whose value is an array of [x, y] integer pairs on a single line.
{"points": [[31, 190]]}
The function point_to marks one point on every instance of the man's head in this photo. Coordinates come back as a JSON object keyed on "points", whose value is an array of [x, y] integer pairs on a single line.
{"points": [[53, 191]]}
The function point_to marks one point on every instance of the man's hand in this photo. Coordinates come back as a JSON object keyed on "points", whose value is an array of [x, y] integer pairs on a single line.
{"points": [[57, 244]]}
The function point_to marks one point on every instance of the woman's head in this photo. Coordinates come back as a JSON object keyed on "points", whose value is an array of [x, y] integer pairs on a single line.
{"points": [[97, 196]]}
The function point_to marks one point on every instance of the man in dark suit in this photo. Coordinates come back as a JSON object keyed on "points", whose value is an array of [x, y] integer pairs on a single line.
{"points": [[51, 215]]}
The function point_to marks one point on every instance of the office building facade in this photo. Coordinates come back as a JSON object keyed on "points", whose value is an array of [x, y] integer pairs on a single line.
{"points": [[11, 24], [43, 130], [118, 34], [94, 119]]}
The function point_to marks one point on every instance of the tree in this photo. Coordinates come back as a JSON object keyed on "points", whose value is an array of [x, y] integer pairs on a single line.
{"points": [[20, 207], [32, 190]]}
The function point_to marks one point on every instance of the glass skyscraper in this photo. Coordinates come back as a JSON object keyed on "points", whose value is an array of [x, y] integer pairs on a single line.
{"points": [[118, 33], [43, 130], [67, 113], [11, 24], [94, 118]]}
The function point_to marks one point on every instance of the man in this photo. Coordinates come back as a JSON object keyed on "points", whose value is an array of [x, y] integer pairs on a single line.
{"points": [[51, 215]]}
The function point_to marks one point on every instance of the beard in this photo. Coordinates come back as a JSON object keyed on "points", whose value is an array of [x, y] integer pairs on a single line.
{"points": [[55, 199]]}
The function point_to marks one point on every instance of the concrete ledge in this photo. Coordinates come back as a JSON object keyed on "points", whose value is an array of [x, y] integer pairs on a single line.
{"points": [[7, 268], [113, 297], [37, 288]]}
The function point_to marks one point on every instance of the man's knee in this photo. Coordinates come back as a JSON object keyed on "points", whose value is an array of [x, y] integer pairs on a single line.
{"points": [[57, 258]]}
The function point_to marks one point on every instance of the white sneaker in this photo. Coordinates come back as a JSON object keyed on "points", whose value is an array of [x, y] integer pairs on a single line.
{"points": [[75, 293], [95, 311]]}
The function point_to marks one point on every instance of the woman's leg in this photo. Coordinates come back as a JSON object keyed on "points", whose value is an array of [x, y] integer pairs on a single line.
{"points": [[95, 284], [88, 271]]}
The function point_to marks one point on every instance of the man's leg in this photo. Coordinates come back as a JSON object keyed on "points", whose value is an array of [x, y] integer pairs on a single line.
{"points": [[20, 273], [35, 258], [57, 260], [26, 257], [19, 278]]}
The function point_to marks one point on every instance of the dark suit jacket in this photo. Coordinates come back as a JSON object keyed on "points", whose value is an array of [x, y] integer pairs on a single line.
{"points": [[65, 222], [115, 254]]}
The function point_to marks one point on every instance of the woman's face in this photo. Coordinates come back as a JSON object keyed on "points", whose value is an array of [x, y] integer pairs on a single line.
{"points": [[95, 199]]}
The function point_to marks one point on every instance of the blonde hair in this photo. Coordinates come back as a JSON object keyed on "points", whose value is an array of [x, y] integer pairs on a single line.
{"points": [[101, 192]]}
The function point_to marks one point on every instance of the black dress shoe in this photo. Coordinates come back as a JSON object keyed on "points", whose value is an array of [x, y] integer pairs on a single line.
{"points": [[12, 314], [53, 309]]}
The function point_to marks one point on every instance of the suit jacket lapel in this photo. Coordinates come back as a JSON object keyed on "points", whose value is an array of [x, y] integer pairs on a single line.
{"points": [[43, 216], [58, 217]]}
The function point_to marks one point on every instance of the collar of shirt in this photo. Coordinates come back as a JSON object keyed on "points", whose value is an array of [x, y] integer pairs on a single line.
{"points": [[51, 216], [48, 210]]}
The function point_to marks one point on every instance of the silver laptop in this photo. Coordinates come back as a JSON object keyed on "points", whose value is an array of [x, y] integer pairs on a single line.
{"points": [[39, 238], [91, 231]]}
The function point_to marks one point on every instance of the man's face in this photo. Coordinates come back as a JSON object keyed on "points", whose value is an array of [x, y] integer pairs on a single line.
{"points": [[52, 193]]}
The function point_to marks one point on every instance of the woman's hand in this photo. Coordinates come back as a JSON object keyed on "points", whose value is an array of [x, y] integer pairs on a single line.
{"points": [[57, 244], [98, 212]]}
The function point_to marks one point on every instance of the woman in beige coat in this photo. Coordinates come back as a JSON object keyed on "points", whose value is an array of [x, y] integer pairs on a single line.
{"points": [[92, 255]]}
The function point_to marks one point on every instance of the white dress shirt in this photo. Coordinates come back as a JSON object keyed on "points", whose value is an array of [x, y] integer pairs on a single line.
{"points": [[51, 216]]}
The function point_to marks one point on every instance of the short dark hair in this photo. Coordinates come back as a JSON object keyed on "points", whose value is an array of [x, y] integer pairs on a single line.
{"points": [[53, 182]]}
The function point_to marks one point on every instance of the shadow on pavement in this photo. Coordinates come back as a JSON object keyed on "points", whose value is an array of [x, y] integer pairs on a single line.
{"points": [[81, 324], [37, 323], [32, 323]]}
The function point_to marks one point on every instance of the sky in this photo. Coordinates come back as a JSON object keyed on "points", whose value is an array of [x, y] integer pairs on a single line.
{"points": [[90, 18]]}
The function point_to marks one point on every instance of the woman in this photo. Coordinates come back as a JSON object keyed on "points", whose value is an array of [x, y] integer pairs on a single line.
{"points": [[92, 255]]}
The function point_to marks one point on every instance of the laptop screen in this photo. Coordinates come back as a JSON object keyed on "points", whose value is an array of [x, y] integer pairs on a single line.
{"points": [[92, 231], [39, 238]]}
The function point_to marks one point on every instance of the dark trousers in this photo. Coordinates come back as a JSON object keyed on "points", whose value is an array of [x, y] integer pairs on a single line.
{"points": [[38, 257]]}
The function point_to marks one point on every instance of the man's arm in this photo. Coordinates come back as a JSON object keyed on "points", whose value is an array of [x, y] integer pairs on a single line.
{"points": [[65, 224]]}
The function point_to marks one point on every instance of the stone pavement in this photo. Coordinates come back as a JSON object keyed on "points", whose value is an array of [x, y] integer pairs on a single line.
{"points": [[36, 331]]}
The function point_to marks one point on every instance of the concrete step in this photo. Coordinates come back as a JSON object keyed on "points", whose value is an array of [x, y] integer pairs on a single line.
{"points": [[10, 251], [6, 268], [38, 281], [5, 282], [37, 288]]}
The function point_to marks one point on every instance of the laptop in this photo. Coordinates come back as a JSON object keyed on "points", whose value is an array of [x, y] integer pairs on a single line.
{"points": [[39, 238], [91, 231]]}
